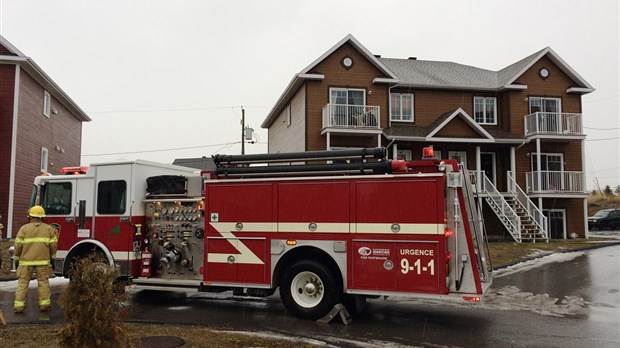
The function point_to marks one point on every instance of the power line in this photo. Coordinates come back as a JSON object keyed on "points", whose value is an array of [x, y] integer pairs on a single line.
{"points": [[168, 110], [161, 150], [603, 129], [614, 138]]}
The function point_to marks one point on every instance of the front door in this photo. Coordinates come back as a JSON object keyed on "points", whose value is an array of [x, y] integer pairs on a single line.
{"points": [[459, 156], [556, 223], [487, 165]]}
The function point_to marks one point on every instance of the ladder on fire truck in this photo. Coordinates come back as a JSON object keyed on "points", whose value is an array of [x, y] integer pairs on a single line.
{"points": [[519, 215]]}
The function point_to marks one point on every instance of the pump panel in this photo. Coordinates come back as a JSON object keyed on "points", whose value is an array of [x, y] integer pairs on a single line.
{"points": [[175, 238]]}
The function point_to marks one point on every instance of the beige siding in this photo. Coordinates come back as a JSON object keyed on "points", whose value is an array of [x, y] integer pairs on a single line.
{"points": [[289, 138]]}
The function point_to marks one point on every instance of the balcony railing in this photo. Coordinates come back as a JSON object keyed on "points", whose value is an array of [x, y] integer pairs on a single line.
{"points": [[553, 123], [351, 116], [555, 182]]}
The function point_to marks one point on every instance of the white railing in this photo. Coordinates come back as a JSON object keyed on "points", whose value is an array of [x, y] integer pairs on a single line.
{"points": [[510, 219], [553, 123], [554, 181], [527, 204], [351, 116]]}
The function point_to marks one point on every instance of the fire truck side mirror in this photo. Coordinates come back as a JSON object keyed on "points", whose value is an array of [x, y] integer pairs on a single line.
{"points": [[81, 214]]}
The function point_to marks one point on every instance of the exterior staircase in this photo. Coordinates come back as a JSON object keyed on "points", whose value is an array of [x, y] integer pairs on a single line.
{"points": [[519, 215]]}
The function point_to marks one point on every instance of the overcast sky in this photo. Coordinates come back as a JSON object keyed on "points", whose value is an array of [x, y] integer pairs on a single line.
{"points": [[167, 75]]}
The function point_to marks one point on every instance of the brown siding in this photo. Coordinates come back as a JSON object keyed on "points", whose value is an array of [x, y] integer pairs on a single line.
{"points": [[574, 213], [360, 75], [554, 86], [457, 128], [7, 86], [61, 134]]}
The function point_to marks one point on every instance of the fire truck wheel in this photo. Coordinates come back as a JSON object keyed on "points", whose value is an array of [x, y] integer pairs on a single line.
{"points": [[309, 290]]}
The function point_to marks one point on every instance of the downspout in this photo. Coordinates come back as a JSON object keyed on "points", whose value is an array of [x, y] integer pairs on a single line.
{"points": [[13, 153]]}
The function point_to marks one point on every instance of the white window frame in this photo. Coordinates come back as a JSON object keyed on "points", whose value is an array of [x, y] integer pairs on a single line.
{"points": [[331, 89], [460, 154], [542, 103], [485, 118], [548, 211], [407, 155], [399, 117], [44, 159], [546, 155], [47, 104]]}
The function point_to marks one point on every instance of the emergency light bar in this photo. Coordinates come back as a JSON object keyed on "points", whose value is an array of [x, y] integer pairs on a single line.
{"points": [[74, 170]]}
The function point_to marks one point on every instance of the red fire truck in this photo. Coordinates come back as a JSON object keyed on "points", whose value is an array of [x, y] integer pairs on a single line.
{"points": [[324, 227]]}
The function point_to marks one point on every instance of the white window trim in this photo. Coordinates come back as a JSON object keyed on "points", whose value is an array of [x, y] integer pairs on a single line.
{"points": [[47, 104], [484, 110], [461, 154], [407, 155], [44, 159], [534, 155], [346, 90], [531, 99], [288, 115], [392, 118], [563, 211]]}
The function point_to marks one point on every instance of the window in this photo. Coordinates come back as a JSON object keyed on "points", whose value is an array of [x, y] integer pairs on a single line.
{"points": [[111, 197], [346, 105], [548, 162], [56, 198], [44, 159], [288, 115], [47, 103], [485, 110], [401, 108], [403, 155], [545, 105]]}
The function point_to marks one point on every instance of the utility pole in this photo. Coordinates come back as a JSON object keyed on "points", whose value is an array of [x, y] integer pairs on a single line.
{"points": [[242, 131]]}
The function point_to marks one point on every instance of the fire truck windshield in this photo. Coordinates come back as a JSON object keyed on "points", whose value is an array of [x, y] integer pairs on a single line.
{"points": [[56, 198]]}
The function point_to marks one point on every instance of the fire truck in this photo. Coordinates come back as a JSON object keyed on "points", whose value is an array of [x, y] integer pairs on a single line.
{"points": [[323, 227]]}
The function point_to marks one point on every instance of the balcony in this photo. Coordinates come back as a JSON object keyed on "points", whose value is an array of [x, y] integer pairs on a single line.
{"points": [[351, 116], [553, 123], [555, 182]]}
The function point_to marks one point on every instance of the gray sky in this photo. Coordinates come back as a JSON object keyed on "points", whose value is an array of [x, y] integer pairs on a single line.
{"points": [[162, 75]]}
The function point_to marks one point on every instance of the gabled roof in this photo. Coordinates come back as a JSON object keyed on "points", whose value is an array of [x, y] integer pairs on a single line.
{"points": [[306, 74], [429, 133], [434, 74], [28, 65], [512, 72], [445, 119]]}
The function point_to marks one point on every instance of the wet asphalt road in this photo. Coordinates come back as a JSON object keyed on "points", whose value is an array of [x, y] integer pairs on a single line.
{"points": [[567, 300]]}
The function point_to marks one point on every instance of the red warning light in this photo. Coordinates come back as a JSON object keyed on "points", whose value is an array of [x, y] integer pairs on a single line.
{"points": [[428, 152]]}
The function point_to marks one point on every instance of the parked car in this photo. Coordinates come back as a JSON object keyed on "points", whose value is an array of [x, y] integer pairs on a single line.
{"points": [[603, 219]]}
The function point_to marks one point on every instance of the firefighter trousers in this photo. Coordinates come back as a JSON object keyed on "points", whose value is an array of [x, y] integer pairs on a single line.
{"points": [[23, 274]]}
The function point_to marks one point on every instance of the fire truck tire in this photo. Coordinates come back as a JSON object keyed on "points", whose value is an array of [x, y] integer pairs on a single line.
{"points": [[309, 290]]}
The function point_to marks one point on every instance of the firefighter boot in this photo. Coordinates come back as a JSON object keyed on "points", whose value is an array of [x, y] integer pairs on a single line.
{"points": [[43, 273]]}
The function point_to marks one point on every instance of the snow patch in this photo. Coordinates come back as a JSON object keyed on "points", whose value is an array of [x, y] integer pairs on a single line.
{"points": [[511, 298], [12, 284], [531, 264]]}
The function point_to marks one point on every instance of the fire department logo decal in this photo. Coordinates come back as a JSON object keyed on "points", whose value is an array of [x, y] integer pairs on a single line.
{"points": [[364, 251]]}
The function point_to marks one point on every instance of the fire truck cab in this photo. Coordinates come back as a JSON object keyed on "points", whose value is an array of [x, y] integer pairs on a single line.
{"points": [[324, 227]]}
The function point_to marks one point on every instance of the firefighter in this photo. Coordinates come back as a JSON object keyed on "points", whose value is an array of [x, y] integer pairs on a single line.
{"points": [[35, 246]]}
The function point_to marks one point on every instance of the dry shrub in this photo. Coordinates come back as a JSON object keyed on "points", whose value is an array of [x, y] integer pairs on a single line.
{"points": [[91, 307]]}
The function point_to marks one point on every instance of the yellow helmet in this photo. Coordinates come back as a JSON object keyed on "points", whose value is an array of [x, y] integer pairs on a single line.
{"points": [[36, 211]]}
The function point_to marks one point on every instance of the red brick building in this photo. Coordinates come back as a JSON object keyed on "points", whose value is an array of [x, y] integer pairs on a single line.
{"points": [[518, 130], [40, 131]]}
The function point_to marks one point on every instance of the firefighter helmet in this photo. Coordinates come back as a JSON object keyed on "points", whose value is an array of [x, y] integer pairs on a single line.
{"points": [[36, 211]]}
